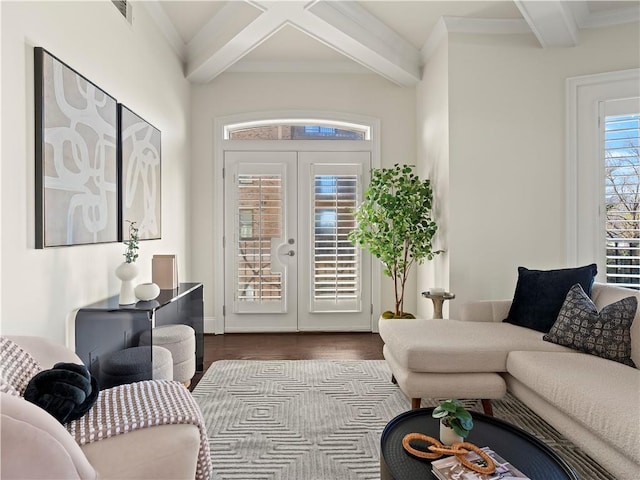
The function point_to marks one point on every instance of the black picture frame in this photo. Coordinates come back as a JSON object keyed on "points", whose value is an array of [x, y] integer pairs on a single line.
{"points": [[76, 178], [139, 175]]}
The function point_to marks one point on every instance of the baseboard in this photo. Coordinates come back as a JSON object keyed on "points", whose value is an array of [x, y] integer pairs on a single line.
{"points": [[210, 325]]}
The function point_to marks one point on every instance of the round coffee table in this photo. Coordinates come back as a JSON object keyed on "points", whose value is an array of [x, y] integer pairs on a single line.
{"points": [[522, 450]]}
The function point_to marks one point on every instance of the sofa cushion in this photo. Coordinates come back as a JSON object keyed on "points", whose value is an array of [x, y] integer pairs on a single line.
{"points": [[539, 294], [455, 346], [606, 333], [600, 394]]}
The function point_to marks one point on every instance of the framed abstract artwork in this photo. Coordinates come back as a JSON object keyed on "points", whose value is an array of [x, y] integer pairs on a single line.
{"points": [[75, 156], [140, 175]]}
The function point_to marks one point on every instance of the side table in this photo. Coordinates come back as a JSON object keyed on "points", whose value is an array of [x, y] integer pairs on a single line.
{"points": [[438, 300]]}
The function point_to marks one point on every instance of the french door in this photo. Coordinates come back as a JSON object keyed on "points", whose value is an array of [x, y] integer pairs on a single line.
{"points": [[288, 264]]}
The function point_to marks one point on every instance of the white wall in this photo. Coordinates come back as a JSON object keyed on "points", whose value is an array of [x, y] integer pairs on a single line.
{"points": [[507, 152], [234, 93], [432, 120], [133, 64]]}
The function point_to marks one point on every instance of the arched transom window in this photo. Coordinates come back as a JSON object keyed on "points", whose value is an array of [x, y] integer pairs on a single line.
{"points": [[298, 129]]}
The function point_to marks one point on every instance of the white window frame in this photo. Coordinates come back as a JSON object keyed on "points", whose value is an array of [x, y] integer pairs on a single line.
{"points": [[221, 144], [584, 163]]}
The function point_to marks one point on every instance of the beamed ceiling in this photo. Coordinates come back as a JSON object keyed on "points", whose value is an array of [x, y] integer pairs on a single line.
{"points": [[391, 38]]}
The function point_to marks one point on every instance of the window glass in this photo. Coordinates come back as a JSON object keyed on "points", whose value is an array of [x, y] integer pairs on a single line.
{"points": [[622, 199], [287, 130]]}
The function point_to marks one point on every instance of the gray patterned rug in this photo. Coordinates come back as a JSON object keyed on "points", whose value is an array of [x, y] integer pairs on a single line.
{"points": [[322, 420]]}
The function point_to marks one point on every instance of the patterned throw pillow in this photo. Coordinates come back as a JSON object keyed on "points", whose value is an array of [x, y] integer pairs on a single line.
{"points": [[606, 333]]}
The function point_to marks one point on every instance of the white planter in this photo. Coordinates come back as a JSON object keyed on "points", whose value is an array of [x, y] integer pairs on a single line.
{"points": [[448, 436], [126, 272], [147, 291]]}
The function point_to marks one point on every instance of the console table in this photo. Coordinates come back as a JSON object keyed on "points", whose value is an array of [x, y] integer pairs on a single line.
{"points": [[105, 327]]}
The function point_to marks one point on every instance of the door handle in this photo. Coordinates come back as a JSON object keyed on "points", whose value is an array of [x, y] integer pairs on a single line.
{"points": [[290, 253]]}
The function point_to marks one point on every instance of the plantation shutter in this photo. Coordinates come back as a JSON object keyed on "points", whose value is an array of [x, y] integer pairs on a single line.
{"points": [[259, 222], [622, 197], [336, 262]]}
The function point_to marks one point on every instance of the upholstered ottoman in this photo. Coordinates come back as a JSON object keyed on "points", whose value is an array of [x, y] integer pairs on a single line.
{"points": [[180, 340], [134, 365]]}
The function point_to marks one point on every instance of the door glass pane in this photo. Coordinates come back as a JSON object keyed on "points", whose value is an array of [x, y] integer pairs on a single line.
{"points": [[259, 220], [336, 268]]}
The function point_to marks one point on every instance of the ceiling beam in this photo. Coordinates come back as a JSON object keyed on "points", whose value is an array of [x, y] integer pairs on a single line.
{"points": [[345, 27], [166, 26], [551, 21]]}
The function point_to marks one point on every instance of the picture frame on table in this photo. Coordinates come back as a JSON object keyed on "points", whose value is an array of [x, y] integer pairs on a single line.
{"points": [[76, 181]]}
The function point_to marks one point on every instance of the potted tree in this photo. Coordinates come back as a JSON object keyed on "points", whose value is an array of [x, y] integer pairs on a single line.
{"points": [[394, 224]]}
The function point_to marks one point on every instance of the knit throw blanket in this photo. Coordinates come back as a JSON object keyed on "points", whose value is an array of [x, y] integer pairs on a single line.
{"points": [[117, 410]]}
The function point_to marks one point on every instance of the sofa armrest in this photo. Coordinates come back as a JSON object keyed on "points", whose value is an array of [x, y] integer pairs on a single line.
{"points": [[35, 445], [45, 352], [485, 310]]}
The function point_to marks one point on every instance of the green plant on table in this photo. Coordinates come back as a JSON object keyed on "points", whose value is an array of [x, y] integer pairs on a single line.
{"points": [[452, 414], [394, 224], [131, 254]]}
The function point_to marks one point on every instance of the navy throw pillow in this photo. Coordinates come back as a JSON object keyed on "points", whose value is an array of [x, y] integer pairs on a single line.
{"points": [[540, 294], [66, 391]]}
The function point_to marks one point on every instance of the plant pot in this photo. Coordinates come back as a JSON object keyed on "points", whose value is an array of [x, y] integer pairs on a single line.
{"points": [[147, 291], [126, 272], [448, 436]]}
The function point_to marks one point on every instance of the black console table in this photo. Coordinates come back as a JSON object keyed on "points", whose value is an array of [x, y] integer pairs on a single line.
{"points": [[105, 327]]}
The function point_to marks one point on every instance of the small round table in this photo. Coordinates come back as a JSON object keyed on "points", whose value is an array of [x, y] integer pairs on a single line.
{"points": [[438, 299], [522, 450]]}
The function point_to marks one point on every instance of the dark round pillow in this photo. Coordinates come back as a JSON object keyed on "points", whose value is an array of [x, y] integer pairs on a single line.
{"points": [[67, 391]]}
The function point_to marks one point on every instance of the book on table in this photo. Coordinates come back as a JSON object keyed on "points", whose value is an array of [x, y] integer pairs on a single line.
{"points": [[450, 468]]}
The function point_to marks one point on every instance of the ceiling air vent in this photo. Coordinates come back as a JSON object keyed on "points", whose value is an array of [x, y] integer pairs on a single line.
{"points": [[124, 7]]}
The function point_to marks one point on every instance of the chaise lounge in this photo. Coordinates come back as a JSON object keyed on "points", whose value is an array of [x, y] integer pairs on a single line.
{"points": [[593, 401]]}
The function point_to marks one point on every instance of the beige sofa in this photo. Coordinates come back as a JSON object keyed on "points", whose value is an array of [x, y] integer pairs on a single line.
{"points": [[35, 445], [592, 401]]}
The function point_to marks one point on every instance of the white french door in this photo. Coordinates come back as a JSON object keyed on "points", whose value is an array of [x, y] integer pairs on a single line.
{"points": [[289, 265]]}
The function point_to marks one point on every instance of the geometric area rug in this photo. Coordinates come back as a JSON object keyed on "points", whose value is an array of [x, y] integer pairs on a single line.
{"points": [[322, 420]]}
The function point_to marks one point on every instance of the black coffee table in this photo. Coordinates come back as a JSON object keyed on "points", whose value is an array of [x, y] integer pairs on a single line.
{"points": [[521, 449]]}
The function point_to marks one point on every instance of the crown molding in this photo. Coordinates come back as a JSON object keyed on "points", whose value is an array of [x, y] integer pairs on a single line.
{"points": [[165, 25], [491, 26]]}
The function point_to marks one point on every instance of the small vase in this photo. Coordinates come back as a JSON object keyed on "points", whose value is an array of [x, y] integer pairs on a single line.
{"points": [[147, 291], [126, 272], [448, 436]]}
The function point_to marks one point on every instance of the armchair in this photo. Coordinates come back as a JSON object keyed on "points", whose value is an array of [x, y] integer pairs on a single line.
{"points": [[35, 445]]}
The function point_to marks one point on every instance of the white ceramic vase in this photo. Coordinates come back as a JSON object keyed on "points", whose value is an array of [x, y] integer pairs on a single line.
{"points": [[448, 436], [147, 291], [126, 272]]}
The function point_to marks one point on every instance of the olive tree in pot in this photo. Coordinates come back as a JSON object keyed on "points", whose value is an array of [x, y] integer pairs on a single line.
{"points": [[394, 224]]}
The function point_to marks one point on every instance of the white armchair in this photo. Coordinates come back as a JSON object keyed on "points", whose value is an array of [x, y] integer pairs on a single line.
{"points": [[35, 445]]}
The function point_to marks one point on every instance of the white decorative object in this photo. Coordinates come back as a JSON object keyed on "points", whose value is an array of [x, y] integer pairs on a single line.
{"points": [[147, 291], [436, 291], [448, 436], [126, 272]]}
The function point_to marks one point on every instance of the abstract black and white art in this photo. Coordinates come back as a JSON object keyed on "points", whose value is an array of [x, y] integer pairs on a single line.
{"points": [[140, 174], [76, 157]]}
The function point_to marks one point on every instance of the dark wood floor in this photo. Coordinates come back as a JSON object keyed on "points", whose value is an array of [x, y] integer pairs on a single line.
{"points": [[290, 346]]}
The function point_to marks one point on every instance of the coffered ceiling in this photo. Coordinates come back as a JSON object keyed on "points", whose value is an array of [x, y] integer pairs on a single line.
{"points": [[391, 38]]}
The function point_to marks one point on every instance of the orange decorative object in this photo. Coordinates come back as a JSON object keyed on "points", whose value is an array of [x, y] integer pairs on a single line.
{"points": [[458, 449]]}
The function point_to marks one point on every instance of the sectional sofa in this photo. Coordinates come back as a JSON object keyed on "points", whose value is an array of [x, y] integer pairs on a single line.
{"points": [[593, 401]]}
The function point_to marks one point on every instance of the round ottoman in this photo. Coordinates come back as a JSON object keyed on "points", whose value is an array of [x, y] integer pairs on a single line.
{"points": [[133, 365], [180, 340]]}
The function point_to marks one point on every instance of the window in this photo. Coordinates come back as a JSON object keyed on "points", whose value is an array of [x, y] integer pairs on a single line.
{"points": [[259, 221], [597, 228], [622, 199], [335, 275], [297, 130]]}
